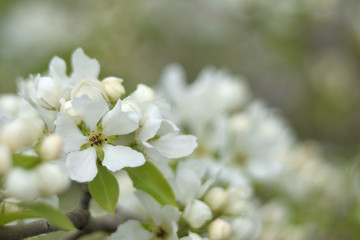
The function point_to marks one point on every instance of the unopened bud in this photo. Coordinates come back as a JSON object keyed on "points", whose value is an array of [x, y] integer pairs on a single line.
{"points": [[48, 92], [143, 93], [244, 228], [52, 179], [22, 184], [219, 230], [5, 159], [197, 213], [90, 87], [113, 88], [51, 148], [19, 133], [216, 198]]}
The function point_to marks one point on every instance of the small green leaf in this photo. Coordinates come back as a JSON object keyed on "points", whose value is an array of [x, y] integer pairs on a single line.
{"points": [[149, 179], [12, 216], [25, 161], [105, 189], [52, 214]]}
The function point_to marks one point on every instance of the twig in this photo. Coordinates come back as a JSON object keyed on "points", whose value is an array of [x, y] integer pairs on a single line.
{"points": [[80, 217]]}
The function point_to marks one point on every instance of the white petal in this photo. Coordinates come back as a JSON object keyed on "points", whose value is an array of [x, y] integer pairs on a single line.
{"points": [[151, 119], [173, 80], [81, 165], [90, 112], [118, 157], [57, 68], [116, 122], [70, 133], [131, 229], [175, 146], [83, 66]]}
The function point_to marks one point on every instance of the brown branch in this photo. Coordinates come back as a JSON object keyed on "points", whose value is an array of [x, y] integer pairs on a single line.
{"points": [[80, 217]]}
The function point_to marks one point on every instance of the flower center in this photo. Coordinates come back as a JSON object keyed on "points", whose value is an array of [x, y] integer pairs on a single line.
{"points": [[97, 139]]}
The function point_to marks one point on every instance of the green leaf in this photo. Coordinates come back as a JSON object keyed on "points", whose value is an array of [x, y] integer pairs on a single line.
{"points": [[150, 180], [52, 214], [12, 216], [25, 161], [105, 189]]}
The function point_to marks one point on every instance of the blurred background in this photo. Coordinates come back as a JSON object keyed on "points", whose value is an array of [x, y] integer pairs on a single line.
{"points": [[300, 56]]}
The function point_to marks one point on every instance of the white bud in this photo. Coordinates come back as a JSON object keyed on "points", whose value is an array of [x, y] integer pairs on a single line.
{"points": [[90, 87], [22, 184], [219, 230], [143, 93], [51, 148], [216, 198], [21, 132], [5, 159], [239, 207], [197, 213], [48, 91], [244, 228], [241, 123], [52, 179], [113, 88]]}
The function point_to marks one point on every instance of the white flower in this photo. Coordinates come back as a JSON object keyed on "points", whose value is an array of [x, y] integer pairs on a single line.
{"points": [[157, 135], [162, 222], [48, 92], [101, 127]]}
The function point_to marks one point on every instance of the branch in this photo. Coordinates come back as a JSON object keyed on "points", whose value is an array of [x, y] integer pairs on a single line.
{"points": [[80, 217]]}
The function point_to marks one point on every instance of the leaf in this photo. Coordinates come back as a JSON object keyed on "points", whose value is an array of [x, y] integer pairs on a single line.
{"points": [[105, 189], [52, 214], [12, 216], [25, 161], [150, 180]]}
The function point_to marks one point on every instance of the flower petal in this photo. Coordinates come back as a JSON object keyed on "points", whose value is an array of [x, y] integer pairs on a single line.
{"points": [[83, 66], [131, 229], [90, 112], [81, 165], [117, 122], [118, 157], [70, 133], [175, 146], [57, 68]]}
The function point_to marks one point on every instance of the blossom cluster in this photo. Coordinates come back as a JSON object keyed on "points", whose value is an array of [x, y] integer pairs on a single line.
{"points": [[213, 186]]}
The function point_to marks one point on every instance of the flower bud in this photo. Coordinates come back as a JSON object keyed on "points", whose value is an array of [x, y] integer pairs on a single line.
{"points": [[216, 198], [48, 91], [5, 159], [244, 228], [22, 184], [113, 88], [9, 104], [219, 230], [90, 87], [70, 112], [143, 93], [52, 179], [51, 148], [197, 213], [21, 132]]}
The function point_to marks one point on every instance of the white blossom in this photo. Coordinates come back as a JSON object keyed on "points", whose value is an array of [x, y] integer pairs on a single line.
{"points": [[101, 125]]}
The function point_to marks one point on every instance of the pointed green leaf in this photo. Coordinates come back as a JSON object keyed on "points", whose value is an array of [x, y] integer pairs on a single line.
{"points": [[53, 215], [25, 161], [150, 180], [12, 216], [105, 189]]}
